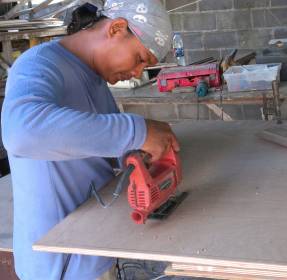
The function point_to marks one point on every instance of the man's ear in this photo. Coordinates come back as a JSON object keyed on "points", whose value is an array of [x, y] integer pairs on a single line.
{"points": [[118, 26]]}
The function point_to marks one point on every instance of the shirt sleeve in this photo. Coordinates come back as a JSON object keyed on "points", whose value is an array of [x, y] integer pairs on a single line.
{"points": [[35, 126]]}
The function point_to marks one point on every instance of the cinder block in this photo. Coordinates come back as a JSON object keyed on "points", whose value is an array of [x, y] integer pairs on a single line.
{"points": [[275, 3], [247, 4], [234, 20], [176, 21], [193, 111], [163, 112], [219, 39], [254, 39], [199, 22], [252, 112], [172, 4], [270, 18], [207, 5], [280, 33], [134, 108], [192, 40]]}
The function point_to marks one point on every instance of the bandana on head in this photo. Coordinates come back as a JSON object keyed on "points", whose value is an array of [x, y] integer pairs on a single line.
{"points": [[147, 19]]}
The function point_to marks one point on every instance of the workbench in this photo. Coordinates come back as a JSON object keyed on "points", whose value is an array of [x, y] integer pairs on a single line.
{"points": [[232, 225], [218, 104], [150, 94]]}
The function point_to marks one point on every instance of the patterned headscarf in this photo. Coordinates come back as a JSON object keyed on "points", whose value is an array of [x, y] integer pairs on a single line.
{"points": [[147, 19]]}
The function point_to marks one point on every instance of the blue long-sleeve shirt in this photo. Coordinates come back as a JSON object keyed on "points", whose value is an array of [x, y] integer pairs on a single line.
{"points": [[59, 120]]}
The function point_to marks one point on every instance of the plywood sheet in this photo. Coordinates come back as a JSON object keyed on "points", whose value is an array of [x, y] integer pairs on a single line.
{"points": [[235, 214]]}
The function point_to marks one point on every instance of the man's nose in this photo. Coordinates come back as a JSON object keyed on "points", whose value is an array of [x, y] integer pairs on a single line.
{"points": [[137, 72]]}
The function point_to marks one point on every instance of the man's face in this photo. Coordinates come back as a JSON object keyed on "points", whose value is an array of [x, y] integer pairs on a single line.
{"points": [[127, 59]]}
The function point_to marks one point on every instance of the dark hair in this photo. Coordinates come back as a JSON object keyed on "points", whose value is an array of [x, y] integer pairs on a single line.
{"points": [[83, 17]]}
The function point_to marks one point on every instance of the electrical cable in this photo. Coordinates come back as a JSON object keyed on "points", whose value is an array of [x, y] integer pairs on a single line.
{"points": [[152, 275], [119, 276], [65, 267], [123, 182]]}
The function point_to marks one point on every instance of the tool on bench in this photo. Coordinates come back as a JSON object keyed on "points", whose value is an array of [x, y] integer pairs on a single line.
{"points": [[152, 186], [201, 77]]}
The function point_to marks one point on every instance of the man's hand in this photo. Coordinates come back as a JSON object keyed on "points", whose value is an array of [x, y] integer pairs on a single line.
{"points": [[159, 140]]}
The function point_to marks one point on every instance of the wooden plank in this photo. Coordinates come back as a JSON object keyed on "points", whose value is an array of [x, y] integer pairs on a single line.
{"points": [[6, 214], [234, 216], [219, 112], [54, 9], [49, 32], [36, 23], [7, 51], [41, 6], [239, 271], [218, 275], [276, 134], [15, 10]]}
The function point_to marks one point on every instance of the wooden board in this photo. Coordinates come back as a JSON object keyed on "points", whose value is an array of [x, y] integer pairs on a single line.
{"points": [[227, 273], [234, 216], [27, 34], [276, 135], [6, 213]]}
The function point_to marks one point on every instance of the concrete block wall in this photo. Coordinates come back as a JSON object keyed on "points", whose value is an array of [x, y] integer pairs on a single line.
{"points": [[215, 27]]}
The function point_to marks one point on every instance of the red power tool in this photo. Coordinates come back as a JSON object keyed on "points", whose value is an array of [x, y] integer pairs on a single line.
{"points": [[202, 77], [152, 186]]}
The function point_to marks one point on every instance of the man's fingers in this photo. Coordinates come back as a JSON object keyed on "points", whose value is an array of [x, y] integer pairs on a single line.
{"points": [[160, 139]]}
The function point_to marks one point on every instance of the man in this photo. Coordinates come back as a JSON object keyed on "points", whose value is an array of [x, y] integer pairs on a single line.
{"points": [[60, 122]]}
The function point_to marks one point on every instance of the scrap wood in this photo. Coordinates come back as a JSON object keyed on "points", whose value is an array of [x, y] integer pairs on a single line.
{"points": [[277, 135], [15, 10], [41, 6], [25, 23], [246, 58], [4, 64], [54, 9], [219, 112], [230, 60], [43, 10]]}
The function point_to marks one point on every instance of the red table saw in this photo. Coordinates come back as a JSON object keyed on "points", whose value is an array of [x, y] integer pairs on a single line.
{"points": [[201, 77]]}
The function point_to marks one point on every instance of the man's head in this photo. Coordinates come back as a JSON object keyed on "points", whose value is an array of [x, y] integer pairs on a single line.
{"points": [[127, 37], [123, 55]]}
